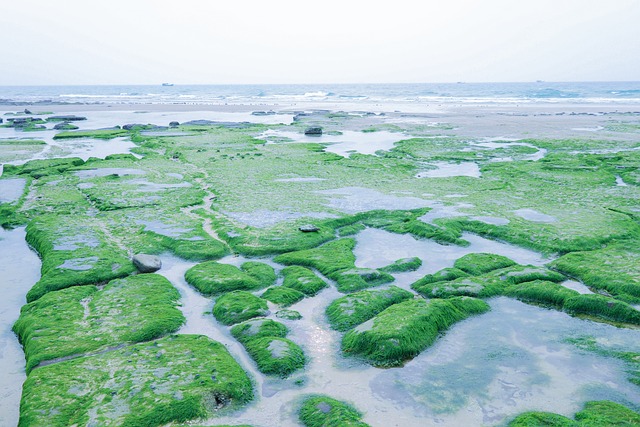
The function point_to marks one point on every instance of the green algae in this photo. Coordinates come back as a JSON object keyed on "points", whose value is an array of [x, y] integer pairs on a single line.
{"points": [[480, 263], [594, 414], [541, 292], [275, 355], [258, 328], [177, 378], [213, 278], [403, 330], [84, 319], [403, 265], [602, 307], [324, 411], [303, 280], [351, 310], [238, 306], [336, 261], [288, 315], [98, 134], [282, 296]]}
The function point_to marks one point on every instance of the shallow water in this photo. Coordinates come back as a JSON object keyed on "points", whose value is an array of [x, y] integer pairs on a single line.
{"points": [[263, 218], [534, 216], [576, 286], [447, 170], [493, 220], [11, 189], [357, 199], [102, 172], [18, 275], [494, 143], [620, 182]]}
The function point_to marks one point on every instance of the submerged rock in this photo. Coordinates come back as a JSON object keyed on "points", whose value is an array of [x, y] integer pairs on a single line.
{"points": [[174, 124], [147, 263], [27, 111], [308, 228], [316, 130], [67, 118], [263, 113], [65, 126]]}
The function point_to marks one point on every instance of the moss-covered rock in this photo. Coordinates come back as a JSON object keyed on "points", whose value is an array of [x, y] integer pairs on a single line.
{"points": [[238, 306], [353, 309], [258, 328], [403, 265], [403, 330], [594, 414], [282, 296], [324, 411], [541, 292], [480, 263], [275, 355], [214, 278], [302, 279], [600, 306], [176, 378]]}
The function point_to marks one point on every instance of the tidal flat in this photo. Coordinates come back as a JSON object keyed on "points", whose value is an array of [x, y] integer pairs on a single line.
{"points": [[447, 265]]}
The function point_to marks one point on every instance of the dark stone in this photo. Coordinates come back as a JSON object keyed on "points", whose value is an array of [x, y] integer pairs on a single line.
{"points": [[263, 113], [1, 120], [308, 228], [313, 131], [65, 126], [147, 263], [174, 124], [26, 111], [131, 126], [229, 125], [69, 118]]}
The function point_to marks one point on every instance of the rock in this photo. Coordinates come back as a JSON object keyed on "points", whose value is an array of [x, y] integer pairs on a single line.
{"points": [[308, 228], [1, 120], [69, 118], [26, 111], [263, 113], [313, 131], [174, 124], [147, 263], [65, 126], [139, 126]]}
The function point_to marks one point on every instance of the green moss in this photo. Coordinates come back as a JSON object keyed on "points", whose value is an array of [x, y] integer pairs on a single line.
{"points": [[83, 319], [275, 355], [351, 310], [446, 274], [263, 273], [402, 265], [41, 168], [594, 414], [480, 263], [282, 295], [541, 292], [324, 411], [602, 307], [527, 273], [336, 261], [238, 306], [541, 419], [288, 315], [213, 278], [258, 328], [98, 134], [176, 378], [403, 330], [480, 287], [302, 279]]}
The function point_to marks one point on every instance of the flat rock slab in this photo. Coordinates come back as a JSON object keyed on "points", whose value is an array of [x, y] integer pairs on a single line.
{"points": [[147, 263]]}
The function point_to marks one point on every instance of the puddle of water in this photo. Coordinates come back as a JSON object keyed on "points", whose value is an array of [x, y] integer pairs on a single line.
{"points": [[163, 229], [153, 187], [358, 199], [576, 286], [264, 218], [534, 216], [11, 189], [309, 179], [439, 210], [495, 143], [79, 264], [18, 275], [491, 220], [446, 170], [345, 144], [620, 182], [95, 173]]}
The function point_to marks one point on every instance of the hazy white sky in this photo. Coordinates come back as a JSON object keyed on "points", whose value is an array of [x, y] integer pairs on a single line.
{"points": [[328, 41]]}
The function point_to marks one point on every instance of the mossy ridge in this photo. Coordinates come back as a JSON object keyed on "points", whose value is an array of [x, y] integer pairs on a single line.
{"points": [[176, 378], [258, 328], [41, 168], [336, 261], [602, 307], [444, 275], [82, 240], [238, 306], [481, 263], [282, 295], [478, 287], [97, 134], [350, 310], [402, 331], [275, 355], [541, 292], [214, 278], [324, 411], [82, 319], [614, 269], [594, 414], [10, 217], [303, 280], [403, 265]]}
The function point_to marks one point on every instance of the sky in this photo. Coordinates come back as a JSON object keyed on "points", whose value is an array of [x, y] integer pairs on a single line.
{"points": [[47, 42]]}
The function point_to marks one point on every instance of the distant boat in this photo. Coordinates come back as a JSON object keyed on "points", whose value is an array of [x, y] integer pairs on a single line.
{"points": [[167, 84]]}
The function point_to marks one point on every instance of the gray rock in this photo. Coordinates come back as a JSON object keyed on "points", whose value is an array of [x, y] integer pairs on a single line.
{"points": [[68, 118], [316, 130], [26, 111], [147, 263], [308, 228], [174, 124], [65, 126]]}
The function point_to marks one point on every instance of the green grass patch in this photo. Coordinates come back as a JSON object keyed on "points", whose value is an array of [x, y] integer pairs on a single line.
{"points": [[350, 310], [594, 414], [480, 263], [213, 278], [302, 279], [324, 411], [173, 379], [541, 292], [98, 134], [238, 306], [282, 295], [83, 319], [403, 265], [258, 328], [276, 355], [602, 307], [403, 330]]}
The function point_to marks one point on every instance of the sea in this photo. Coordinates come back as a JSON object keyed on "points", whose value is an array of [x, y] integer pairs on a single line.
{"points": [[460, 92]]}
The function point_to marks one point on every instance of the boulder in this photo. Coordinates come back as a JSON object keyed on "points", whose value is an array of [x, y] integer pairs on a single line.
{"points": [[68, 118], [26, 111], [1, 120], [147, 263], [308, 228], [65, 126], [174, 124], [316, 130]]}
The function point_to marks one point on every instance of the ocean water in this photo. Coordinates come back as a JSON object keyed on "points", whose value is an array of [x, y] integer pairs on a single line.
{"points": [[596, 92]]}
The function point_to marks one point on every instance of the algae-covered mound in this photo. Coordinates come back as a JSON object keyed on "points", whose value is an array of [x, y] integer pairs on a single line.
{"points": [[480, 263], [402, 265], [603, 307], [176, 378], [403, 330], [541, 292], [258, 328], [238, 306], [302, 279], [82, 319], [337, 261], [594, 414], [282, 296], [213, 278], [324, 411], [444, 275], [353, 309]]}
